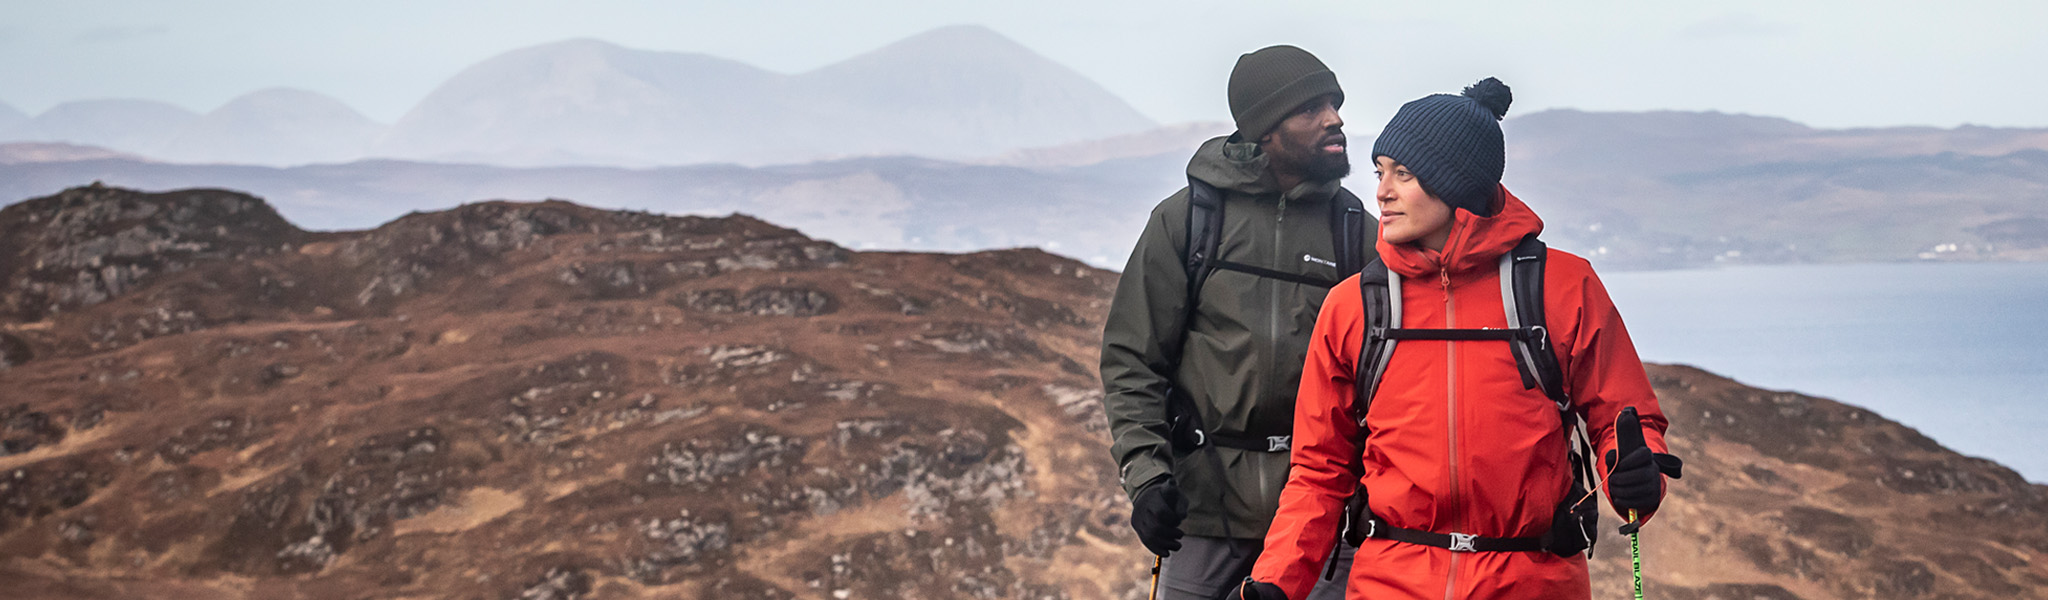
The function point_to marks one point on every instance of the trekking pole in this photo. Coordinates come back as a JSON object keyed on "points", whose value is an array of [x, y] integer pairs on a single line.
{"points": [[1159, 560], [1628, 435]]}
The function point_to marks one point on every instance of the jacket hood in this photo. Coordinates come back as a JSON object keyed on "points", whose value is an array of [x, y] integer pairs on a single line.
{"points": [[1242, 167], [1476, 242], [1232, 165]]}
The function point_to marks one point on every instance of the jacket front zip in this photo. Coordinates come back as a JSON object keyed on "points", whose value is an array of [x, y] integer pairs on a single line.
{"points": [[1279, 236], [1273, 313], [1451, 405]]}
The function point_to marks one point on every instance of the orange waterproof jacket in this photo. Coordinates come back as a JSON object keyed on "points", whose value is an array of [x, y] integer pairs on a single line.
{"points": [[1456, 443]]}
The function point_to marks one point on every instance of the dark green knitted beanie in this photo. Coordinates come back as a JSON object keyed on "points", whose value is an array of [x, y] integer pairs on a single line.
{"points": [[1268, 84]]}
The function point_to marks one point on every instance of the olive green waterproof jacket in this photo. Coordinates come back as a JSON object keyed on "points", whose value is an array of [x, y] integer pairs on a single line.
{"points": [[1241, 357]]}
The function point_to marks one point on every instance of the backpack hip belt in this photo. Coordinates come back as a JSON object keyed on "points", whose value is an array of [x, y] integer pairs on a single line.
{"points": [[1455, 542], [1271, 443], [1186, 434]]}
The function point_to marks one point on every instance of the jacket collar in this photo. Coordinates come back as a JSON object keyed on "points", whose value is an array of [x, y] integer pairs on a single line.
{"points": [[1476, 242], [1234, 165]]}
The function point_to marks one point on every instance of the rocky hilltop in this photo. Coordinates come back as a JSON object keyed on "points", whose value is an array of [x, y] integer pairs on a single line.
{"points": [[544, 400]]}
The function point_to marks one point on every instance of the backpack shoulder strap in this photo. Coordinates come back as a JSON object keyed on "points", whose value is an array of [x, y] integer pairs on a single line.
{"points": [[1379, 291], [1347, 231], [1204, 229], [1575, 522], [1521, 283], [1205, 236]]}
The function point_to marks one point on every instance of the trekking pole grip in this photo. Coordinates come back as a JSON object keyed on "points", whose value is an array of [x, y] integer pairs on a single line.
{"points": [[1628, 436]]}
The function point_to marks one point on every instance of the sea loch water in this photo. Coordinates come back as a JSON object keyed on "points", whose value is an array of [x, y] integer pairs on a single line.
{"points": [[1958, 351]]}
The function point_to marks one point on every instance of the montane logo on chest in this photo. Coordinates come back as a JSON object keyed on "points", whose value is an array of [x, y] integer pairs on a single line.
{"points": [[1309, 258]]}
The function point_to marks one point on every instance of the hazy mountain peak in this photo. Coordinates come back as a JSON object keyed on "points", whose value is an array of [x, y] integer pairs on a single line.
{"points": [[955, 58], [964, 91], [128, 125], [565, 60], [286, 98], [956, 43], [580, 101], [962, 31], [592, 53], [277, 126], [571, 45], [10, 117], [952, 92]]}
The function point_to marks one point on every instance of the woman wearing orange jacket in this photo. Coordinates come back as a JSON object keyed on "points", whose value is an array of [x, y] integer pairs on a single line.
{"points": [[1455, 447]]}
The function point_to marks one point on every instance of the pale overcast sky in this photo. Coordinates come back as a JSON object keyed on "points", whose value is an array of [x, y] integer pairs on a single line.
{"points": [[1831, 63]]}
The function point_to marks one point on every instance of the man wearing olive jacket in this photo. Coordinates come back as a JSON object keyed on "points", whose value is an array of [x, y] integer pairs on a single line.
{"points": [[1200, 395]]}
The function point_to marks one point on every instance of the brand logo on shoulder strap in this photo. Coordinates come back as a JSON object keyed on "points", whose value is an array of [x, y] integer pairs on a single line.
{"points": [[1309, 258]]}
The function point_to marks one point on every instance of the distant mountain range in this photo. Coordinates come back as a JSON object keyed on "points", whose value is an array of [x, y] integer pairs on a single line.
{"points": [[951, 93], [277, 126], [1629, 190], [956, 92], [269, 127], [134, 126], [1681, 188]]}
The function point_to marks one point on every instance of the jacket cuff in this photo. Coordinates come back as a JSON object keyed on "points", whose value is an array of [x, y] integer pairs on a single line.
{"points": [[1138, 474]]}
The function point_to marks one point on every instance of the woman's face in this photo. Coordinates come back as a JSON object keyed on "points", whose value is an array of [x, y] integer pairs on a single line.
{"points": [[1407, 212]]}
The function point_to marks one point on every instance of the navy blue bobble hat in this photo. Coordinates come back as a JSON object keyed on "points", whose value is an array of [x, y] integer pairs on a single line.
{"points": [[1453, 144]]}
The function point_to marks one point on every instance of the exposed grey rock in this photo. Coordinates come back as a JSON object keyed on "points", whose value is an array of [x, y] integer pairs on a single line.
{"points": [[677, 542], [86, 245], [78, 531], [559, 583], [698, 464]]}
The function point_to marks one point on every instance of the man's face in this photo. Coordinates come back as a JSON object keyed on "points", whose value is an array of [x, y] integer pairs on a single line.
{"points": [[1310, 142]]}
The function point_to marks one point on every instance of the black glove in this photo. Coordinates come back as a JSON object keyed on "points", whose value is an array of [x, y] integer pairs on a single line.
{"points": [[1637, 481], [1256, 590], [1156, 515]]}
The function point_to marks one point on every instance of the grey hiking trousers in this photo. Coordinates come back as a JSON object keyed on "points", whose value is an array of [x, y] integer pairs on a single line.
{"points": [[1206, 568]]}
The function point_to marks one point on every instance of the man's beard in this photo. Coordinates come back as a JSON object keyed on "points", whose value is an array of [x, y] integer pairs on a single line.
{"points": [[1313, 165], [1326, 167]]}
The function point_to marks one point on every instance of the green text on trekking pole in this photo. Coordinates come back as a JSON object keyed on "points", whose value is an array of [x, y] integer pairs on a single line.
{"points": [[1628, 435], [1635, 553]]}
